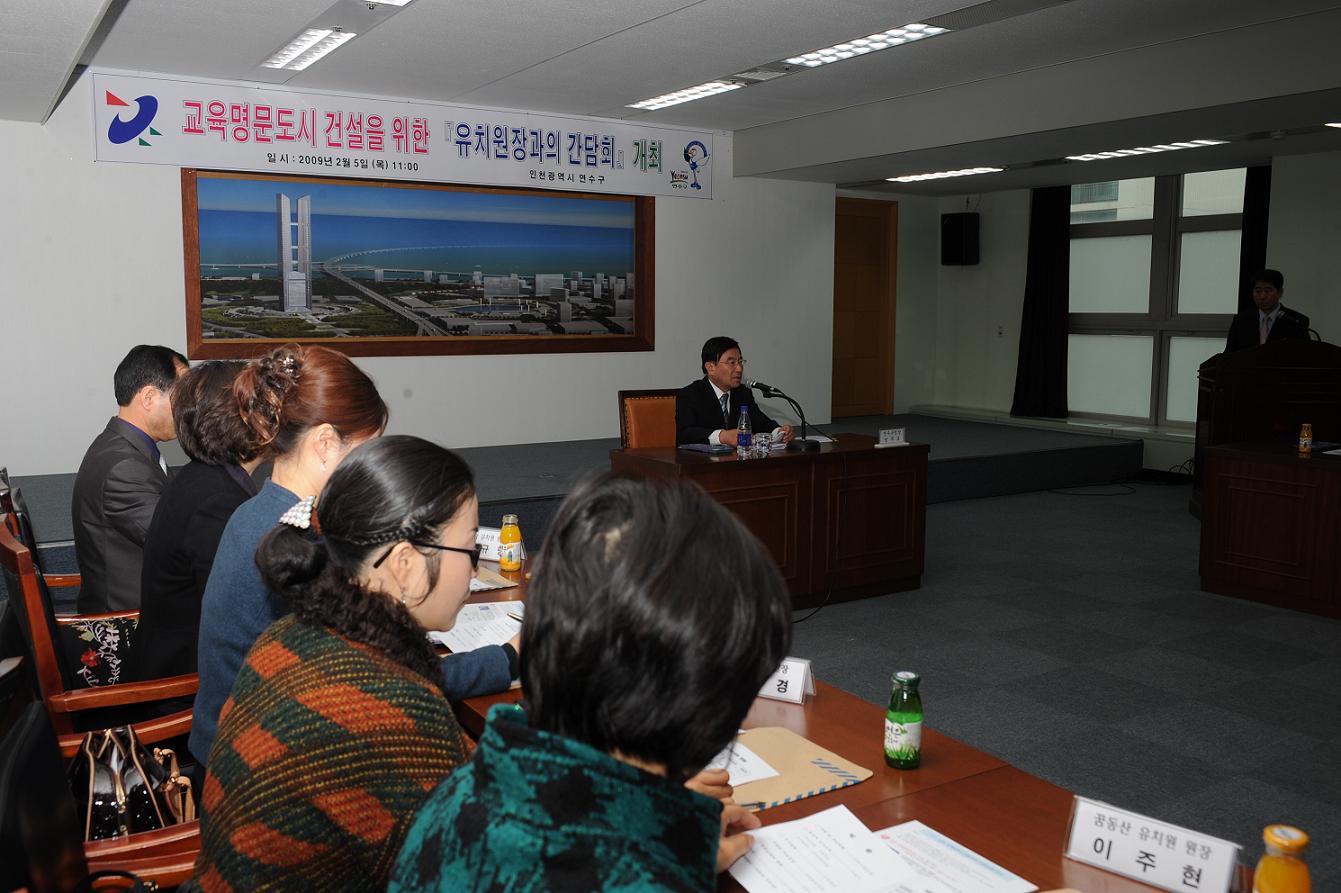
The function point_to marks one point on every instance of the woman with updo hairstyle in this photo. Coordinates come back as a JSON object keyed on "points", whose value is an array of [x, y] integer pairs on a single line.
{"points": [[652, 620], [308, 406], [189, 520], [337, 726]]}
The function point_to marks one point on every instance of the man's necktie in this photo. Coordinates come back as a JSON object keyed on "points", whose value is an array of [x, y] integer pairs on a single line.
{"points": [[1266, 329], [163, 464], [726, 403]]}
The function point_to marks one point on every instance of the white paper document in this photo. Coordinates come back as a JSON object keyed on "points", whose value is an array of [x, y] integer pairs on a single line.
{"points": [[477, 626], [933, 863], [742, 764], [828, 852]]}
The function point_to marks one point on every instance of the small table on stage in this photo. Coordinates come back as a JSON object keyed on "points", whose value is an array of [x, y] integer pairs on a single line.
{"points": [[847, 521], [1015, 819]]}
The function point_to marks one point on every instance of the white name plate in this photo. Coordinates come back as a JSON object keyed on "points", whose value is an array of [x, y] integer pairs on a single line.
{"points": [[1153, 852], [891, 437], [792, 681], [488, 539]]}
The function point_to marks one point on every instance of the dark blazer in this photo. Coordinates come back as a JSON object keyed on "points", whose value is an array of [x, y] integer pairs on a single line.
{"points": [[115, 494], [178, 555], [698, 414], [1245, 330]]}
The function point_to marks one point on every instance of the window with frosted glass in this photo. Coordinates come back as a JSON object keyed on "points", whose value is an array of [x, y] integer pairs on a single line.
{"points": [[1110, 275], [1185, 356], [1113, 200], [1109, 374], [1208, 272], [1213, 192]]}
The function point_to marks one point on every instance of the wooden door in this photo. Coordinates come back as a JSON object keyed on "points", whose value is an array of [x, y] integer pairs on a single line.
{"points": [[864, 271]]}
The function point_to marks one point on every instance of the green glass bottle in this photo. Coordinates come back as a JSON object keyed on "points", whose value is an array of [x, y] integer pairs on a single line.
{"points": [[903, 723]]}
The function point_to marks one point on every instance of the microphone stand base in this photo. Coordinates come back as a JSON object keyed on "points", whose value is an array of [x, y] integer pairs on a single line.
{"points": [[803, 446]]}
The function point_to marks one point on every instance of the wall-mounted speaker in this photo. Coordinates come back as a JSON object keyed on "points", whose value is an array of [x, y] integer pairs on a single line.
{"points": [[959, 239]]}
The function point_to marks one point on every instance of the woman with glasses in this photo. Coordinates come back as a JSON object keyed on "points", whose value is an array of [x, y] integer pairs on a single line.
{"points": [[337, 726]]}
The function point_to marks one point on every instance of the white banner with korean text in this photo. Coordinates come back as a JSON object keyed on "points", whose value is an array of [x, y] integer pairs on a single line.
{"points": [[219, 125]]}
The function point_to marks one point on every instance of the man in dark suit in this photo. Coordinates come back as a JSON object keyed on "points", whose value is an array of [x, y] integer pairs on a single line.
{"points": [[708, 410], [1271, 321], [120, 480]]}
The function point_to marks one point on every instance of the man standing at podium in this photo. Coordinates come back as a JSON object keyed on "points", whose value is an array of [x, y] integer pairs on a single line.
{"points": [[708, 410], [1271, 321]]}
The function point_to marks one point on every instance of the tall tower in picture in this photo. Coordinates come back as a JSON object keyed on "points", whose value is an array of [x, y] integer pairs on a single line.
{"points": [[295, 252]]}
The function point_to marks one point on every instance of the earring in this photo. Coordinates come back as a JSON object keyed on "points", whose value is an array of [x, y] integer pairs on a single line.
{"points": [[323, 466], [402, 596]]}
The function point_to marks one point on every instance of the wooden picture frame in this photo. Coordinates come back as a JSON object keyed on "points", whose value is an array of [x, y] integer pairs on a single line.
{"points": [[494, 312]]}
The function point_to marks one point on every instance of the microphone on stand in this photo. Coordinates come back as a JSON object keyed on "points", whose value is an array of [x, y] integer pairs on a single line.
{"points": [[798, 444]]}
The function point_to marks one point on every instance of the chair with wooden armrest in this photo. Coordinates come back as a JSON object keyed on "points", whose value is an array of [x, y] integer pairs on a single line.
{"points": [[72, 708], [647, 418], [41, 839], [94, 647]]}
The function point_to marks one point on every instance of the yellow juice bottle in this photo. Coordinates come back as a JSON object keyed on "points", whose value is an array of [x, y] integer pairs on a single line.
{"points": [[1282, 868], [510, 545]]}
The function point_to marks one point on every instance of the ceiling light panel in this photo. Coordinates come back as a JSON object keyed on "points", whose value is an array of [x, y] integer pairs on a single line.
{"points": [[860, 46], [689, 94], [390, 2], [941, 175], [1335, 124], [1146, 150]]}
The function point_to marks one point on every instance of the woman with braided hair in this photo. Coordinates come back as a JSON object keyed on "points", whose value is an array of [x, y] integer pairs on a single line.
{"points": [[337, 726], [309, 407]]}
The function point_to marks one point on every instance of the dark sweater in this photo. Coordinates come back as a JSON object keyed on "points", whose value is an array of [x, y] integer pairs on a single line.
{"points": [[178, 554], [324, 752], [535, 812]]}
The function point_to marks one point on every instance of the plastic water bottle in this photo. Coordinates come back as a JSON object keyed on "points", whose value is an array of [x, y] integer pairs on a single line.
{"points": [[743, 433]]}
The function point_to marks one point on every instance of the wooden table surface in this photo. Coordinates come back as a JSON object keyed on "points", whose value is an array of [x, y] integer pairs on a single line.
{"points": [[1015, 819]]}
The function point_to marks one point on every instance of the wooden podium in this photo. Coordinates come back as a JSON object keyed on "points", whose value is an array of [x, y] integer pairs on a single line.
{"points": [[1264, 394], [846, 522]]}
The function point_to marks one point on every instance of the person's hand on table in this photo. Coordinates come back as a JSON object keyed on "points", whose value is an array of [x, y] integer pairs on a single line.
{"points": [[712, 783], [515, 642], [728, 436], [787, 433], [734, 843]]}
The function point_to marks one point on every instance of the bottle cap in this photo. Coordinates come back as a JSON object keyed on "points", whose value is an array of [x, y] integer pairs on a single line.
{"points": [[509, 519], [1286, 838], [907, 677]]}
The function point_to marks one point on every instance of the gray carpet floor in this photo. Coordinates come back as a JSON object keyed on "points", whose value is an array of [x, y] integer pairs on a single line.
{"points": [[1066, 634]]}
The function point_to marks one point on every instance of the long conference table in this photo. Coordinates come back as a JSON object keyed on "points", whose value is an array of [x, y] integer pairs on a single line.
{"points": [[1015, 819]]}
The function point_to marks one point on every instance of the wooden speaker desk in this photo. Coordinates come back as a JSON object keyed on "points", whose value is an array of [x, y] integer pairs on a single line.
{"points": [[847, 521], [1271, 526]]}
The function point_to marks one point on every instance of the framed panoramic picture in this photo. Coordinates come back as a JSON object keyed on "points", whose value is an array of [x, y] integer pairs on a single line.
{"points": [[378, 268]]}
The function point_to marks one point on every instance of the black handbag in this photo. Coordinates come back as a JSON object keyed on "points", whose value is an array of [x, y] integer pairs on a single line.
{"points": [[121, 787]]}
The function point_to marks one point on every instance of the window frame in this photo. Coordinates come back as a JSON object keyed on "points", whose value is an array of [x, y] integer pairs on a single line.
{"points": [[1161, 320]]}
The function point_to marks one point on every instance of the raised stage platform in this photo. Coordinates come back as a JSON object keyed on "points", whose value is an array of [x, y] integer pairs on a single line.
{"points": [[969, 460]]}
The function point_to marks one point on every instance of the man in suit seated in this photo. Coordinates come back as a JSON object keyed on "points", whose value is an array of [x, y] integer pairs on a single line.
{"points": [[1271, 321], [120, 480], [708, 410]]}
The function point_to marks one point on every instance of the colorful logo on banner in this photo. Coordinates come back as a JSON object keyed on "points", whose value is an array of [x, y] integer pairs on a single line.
{"points": [[120, 131], [697, 155]]}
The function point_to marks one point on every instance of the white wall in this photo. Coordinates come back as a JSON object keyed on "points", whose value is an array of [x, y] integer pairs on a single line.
{"points": [[91, 260], [1304, 239]]}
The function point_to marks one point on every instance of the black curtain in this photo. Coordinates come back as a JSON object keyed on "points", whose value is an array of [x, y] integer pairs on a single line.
{"points": [[1040, 373], [1253, 243]]}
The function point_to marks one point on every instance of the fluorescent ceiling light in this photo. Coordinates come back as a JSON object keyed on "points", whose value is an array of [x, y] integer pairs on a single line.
{"points": [[1335, 124], [308, 47], [689, 94], [860, 46], [941, 175], [389, 2], [1146, 150]]}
